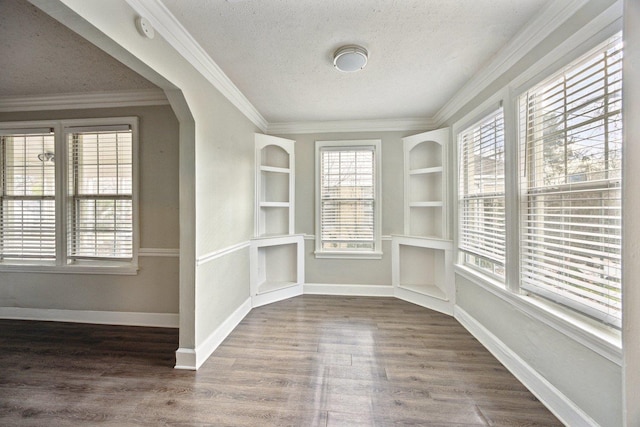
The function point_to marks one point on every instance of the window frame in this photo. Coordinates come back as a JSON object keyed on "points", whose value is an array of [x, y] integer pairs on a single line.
{"points": [[346, 145], [62, 128]]}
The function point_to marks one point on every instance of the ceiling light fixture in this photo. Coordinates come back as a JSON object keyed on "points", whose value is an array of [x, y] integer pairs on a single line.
{"points": [[350, 58]]}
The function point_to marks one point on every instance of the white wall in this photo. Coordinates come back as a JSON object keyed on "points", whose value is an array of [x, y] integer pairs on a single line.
{"points": [[155, 288]]}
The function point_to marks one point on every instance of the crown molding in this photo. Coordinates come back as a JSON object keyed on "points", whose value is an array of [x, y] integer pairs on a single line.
{"points": [[383, 125], [72, 101], [173, 32], [547, 21]]}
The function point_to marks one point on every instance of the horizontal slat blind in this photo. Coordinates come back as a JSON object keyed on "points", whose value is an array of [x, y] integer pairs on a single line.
{"points": [[101, 195], [481, 194], [27, 211], [571, 133], [347, 198]]}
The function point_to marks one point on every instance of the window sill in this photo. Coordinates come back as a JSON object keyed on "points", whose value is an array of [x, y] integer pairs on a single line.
{"points": [[348, 255], [604, 340], [128, 269]]}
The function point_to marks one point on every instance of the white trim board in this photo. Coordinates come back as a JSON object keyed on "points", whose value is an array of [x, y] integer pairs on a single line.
{"points": [[221, 252], [126, 318], [192, 359], [73, 101], [159, 252], [559, 404]]}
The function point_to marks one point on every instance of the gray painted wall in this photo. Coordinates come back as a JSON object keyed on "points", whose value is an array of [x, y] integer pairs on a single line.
{"points": [[155, 288], [345, 271]]}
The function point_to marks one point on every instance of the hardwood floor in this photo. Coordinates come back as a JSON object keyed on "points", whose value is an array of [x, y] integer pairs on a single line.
{"points": [[307, 361]]}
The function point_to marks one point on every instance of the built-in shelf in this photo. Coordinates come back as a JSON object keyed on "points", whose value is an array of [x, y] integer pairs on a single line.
{"points": [[277, 268], [425, 179], [422, 271], [277, 255], [422, 259], [275, 180]]}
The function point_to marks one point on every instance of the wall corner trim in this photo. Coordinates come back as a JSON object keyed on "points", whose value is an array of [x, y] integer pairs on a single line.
{"points": [[559, 404]]}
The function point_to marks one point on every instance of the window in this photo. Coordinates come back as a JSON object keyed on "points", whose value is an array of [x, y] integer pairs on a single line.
{"points": [[482, 194], [571, 155], [348, 198], [100, 193], [67, 195]]}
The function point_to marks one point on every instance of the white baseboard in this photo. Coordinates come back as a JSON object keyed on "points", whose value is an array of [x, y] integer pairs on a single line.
{"points": [[192, 359], [162, 320], [561, 406], [346, 290]]}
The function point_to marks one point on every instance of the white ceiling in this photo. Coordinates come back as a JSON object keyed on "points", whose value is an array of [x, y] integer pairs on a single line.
{"points": [[279, 52]]}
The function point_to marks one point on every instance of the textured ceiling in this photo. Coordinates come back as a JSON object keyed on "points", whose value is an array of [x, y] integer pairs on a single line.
{"points": [[279, 52], [40, 56]]}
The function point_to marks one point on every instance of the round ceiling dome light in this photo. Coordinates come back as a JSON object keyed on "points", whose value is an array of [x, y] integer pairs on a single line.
{"points": [[350, 58]]}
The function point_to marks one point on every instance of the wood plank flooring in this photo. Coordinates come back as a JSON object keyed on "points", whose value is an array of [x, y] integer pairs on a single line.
{"points": [[307, 361]]}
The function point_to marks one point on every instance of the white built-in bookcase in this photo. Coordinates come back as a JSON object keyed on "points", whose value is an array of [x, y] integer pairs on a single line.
{"points": [[422, 258], [277, 254]]}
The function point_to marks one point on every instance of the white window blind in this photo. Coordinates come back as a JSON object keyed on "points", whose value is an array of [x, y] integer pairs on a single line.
{"points": [[28, 208], [347, 198], [482, 194], [100, 212], [571, 134]]}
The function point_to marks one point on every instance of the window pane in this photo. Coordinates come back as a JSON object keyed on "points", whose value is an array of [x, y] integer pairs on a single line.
{"points": [[27, 209], [347, 199], [481, 192], [572, 168]]}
